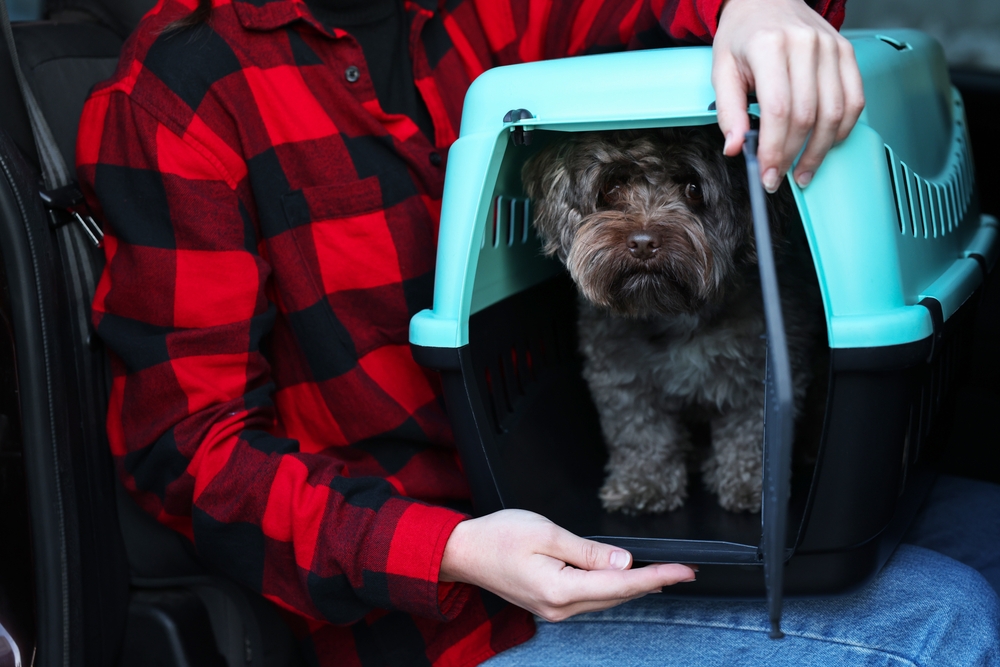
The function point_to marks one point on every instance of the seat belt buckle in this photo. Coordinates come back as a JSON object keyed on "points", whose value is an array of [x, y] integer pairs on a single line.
{"points": [[67, 204]]}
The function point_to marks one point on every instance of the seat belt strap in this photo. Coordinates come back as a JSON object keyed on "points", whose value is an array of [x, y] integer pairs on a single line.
{"points": [[54, 171], [77, 242]]}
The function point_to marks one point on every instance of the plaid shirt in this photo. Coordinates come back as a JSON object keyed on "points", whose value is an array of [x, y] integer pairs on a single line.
{"points": [[270, 232]]}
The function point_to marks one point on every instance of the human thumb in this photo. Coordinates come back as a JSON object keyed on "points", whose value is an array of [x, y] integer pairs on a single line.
{"points": [[591, 555]]}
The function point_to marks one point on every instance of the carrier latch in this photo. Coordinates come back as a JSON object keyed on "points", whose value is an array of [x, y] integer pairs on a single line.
{"points": [[520, 135]]}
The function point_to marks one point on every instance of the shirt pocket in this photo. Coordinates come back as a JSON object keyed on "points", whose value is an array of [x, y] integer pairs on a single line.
{"points": [[332, 202]]}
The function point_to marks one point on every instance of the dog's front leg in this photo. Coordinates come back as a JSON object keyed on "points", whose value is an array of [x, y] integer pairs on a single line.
{"points": [[733, 471], [647, 446]]}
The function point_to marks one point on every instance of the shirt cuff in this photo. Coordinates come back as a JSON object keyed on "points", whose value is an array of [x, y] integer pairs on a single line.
{"points": [[689, 20], [452, 597], [710, 11], [832, 11], [419, 534]]}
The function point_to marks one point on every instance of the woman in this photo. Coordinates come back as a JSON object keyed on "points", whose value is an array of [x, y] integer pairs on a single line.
{"points": [[270, 176]]}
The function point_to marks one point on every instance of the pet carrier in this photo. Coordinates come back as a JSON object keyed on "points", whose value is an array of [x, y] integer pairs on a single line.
{"points": [[899, 249]]}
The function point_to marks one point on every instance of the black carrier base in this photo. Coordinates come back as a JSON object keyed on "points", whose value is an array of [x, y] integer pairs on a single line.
{"points": [[530, 438]]}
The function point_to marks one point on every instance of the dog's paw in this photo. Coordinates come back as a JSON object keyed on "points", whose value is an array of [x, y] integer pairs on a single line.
{"points": [[645, 490], [737, 482]]}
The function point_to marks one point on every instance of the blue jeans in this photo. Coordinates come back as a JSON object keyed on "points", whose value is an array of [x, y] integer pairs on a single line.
{"points": [[961, 519], [924, 608]]}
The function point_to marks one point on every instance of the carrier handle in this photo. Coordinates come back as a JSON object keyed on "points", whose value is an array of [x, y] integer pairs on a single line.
{"points": [[779, 423]]}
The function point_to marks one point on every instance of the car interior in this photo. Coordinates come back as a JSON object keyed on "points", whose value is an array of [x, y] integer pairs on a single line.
{"points": [[86, 578], [116, 587]]}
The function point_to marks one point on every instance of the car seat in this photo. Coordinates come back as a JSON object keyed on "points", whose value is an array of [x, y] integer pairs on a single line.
{"points": [[113, 586]]}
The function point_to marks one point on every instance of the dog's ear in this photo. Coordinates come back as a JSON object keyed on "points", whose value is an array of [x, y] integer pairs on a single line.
{"points": [[548, 181]]}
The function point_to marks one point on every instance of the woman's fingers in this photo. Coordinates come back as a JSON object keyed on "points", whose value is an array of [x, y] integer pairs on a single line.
{"points": [[580, 591], [784, 65], [591, 576], [731, 90], [805, 77], [585, 554], [853, 87], [611, 585], [829, 111], [526, 559]]}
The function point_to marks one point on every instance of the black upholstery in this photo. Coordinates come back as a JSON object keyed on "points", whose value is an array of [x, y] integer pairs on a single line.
{"points": [[114, 585], [121, 16], [242, 622], [26, 253], [13, 117], [81, 575], [62, 61]]}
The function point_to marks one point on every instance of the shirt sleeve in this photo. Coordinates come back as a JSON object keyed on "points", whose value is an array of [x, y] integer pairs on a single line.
{"points": [[183, 307], [528, 30]]}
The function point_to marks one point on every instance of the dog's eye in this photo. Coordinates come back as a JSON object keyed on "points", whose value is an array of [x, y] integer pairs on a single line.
{"points": [[693, 192], [609, 195]]}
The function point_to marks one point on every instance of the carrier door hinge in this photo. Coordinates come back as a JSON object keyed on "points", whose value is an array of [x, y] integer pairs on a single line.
{"points": [[64, 205], [520, 135]]}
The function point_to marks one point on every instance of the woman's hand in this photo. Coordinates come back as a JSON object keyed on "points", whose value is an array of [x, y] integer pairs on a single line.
{"points": [[805, 77], [528, 560]]}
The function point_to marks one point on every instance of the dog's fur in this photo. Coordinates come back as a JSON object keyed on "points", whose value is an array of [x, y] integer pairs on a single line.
{"points": [[656, 230]]}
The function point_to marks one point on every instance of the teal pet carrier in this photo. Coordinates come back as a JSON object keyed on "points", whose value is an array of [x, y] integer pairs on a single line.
{"points": [[899, 248]]}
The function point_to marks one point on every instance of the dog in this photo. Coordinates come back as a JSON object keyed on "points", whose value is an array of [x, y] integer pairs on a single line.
{"points": [[655, 228]]}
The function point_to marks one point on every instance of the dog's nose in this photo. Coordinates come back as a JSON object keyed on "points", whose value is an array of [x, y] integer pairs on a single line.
{"points": [[642, 245]]}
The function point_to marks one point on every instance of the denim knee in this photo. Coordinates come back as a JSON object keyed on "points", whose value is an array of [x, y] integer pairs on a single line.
{"points": [[961, 519], [948, 612], [923, 610]]}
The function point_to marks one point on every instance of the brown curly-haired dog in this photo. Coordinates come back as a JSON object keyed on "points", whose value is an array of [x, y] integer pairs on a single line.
{"points": [[656, 231]]}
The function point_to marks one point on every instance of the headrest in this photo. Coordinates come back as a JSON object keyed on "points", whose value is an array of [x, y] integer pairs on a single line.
{"points": [[122, 16]]}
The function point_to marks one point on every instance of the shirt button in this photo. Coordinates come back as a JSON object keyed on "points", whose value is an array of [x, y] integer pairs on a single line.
{"points": [[352, 74], [435, 159]]}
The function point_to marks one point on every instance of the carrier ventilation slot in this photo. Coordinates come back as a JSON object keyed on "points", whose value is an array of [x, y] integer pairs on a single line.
{"points": [[515, 370], [511, 221], [932, 209], [511, 377]]}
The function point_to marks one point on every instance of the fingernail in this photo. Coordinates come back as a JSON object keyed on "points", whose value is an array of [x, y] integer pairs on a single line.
{"points": [[684, 581], [729, 142], [771, 180], [804, 178], [620, 560]]}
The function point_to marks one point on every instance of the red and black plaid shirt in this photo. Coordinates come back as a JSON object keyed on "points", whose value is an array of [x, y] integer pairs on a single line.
{"points": [[270, 232]]}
